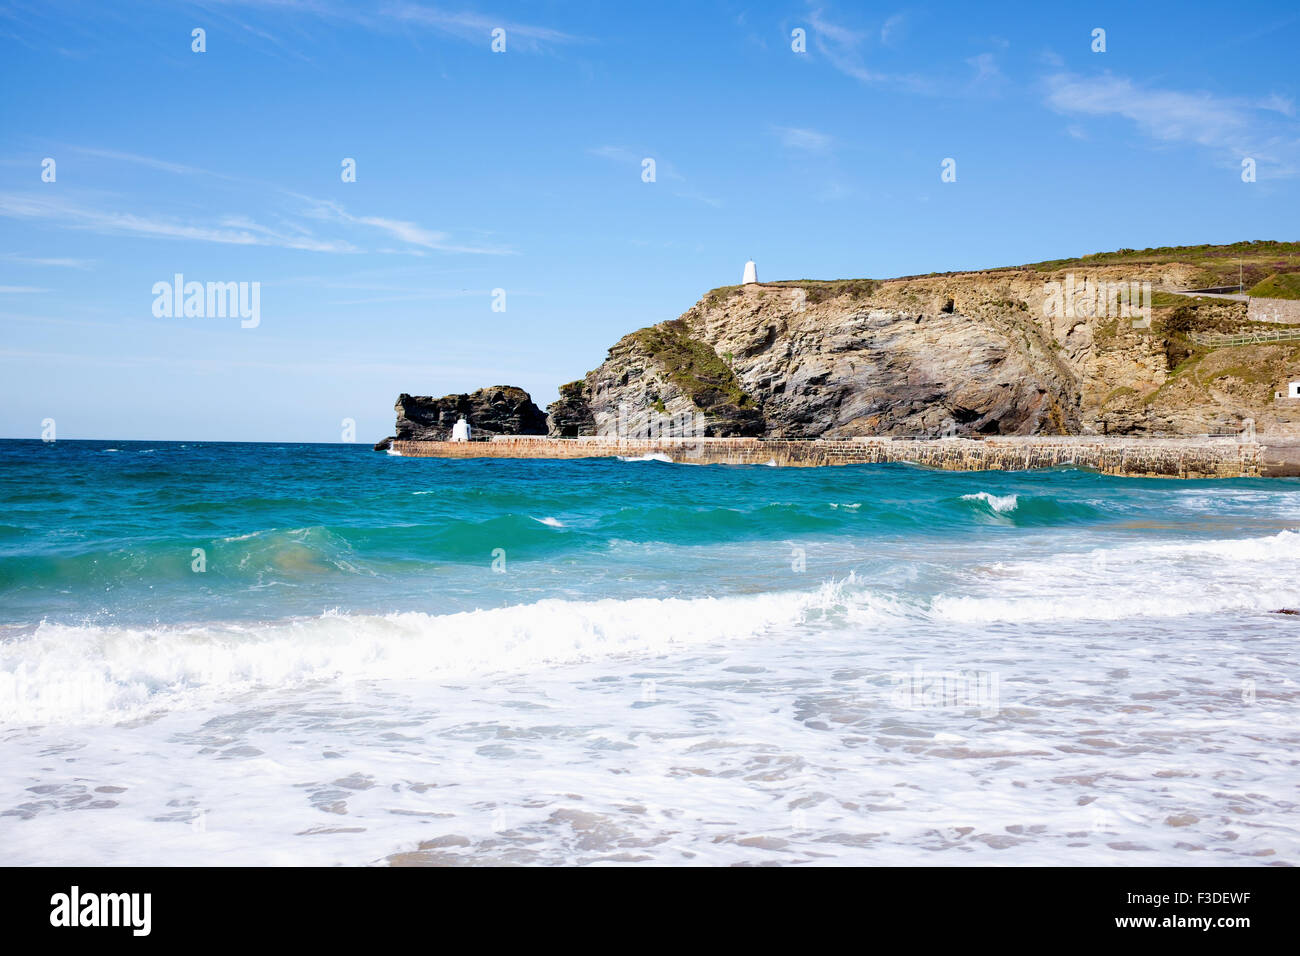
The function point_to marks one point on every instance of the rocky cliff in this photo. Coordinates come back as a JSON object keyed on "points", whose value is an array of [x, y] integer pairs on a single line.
{"points": [[1042, 349], [570, 415], [499, 410], [669, 373]]}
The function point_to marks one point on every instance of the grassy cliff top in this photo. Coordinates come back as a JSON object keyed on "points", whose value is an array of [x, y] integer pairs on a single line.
{"points": [[1285, 285], [1254, 250], [1218, 265], [816, 290]]}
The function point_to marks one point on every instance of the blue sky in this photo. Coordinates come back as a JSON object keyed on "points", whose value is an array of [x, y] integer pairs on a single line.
{"points": [[522, 171]]}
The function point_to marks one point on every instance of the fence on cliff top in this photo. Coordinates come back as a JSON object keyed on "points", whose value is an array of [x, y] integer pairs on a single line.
{"points": [[1216, 340]]}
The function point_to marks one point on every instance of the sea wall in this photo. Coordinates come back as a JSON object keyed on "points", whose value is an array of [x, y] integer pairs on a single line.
{"points": [[1146, 457]]}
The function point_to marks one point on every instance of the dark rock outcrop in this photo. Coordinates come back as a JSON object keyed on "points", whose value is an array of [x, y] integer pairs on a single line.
{"points": [[570, 415], [499, 410]]}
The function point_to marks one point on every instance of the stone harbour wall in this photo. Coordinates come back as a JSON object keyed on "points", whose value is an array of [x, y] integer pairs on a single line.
{"points": [[1283, 311], [1144, 457]]}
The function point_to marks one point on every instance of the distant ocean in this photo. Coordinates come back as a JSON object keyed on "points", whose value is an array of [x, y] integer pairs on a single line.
{"points": [[317, 654]]}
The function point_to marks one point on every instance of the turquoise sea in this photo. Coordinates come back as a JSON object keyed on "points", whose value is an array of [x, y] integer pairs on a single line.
{"points": [[261, 653]]}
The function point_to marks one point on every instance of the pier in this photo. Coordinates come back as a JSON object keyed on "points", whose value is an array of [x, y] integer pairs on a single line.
{"points": [[1138, 457]]}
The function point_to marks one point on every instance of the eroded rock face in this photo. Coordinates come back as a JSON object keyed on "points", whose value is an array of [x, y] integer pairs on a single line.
{"points": [[841, 368], [962, 354], [499, 410], [665, 381], [765, 361], [570, 415]]}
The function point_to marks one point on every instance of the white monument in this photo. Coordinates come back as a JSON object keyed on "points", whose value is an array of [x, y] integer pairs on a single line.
{"points": [[460, 431], [751, 274]]}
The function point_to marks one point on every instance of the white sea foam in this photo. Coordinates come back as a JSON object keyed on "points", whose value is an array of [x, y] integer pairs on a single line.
{"points": [[61, 674], [737, 729], [999, 503], [1134, 581], [652, 456], [550, 522], [792, 748], [71, 674]]}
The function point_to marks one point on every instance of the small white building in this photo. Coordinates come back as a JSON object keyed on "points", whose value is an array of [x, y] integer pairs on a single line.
{"points": [[1293, 390], [460, 431], [751, 274]]}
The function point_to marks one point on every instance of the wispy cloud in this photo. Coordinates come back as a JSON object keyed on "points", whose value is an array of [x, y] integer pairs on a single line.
{"points": [[475, 26], [698, 197], [432, 295], [893, 30], [833, 191], [110, 222], [986, 69], [844, 48], [465, 25], [663, 170], [233, 228], [408, 232], [1244, 127], [244, 230], [795, 137], [621, 154], [39, 261], [616, 153], [1278, 104], [147, 161]]}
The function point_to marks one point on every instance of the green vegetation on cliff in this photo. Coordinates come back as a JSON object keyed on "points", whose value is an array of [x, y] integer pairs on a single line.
{"points": [[692, 365], [819, 291], [815, 290], [1193, 254], [1279, 286], [1218, 265]]}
